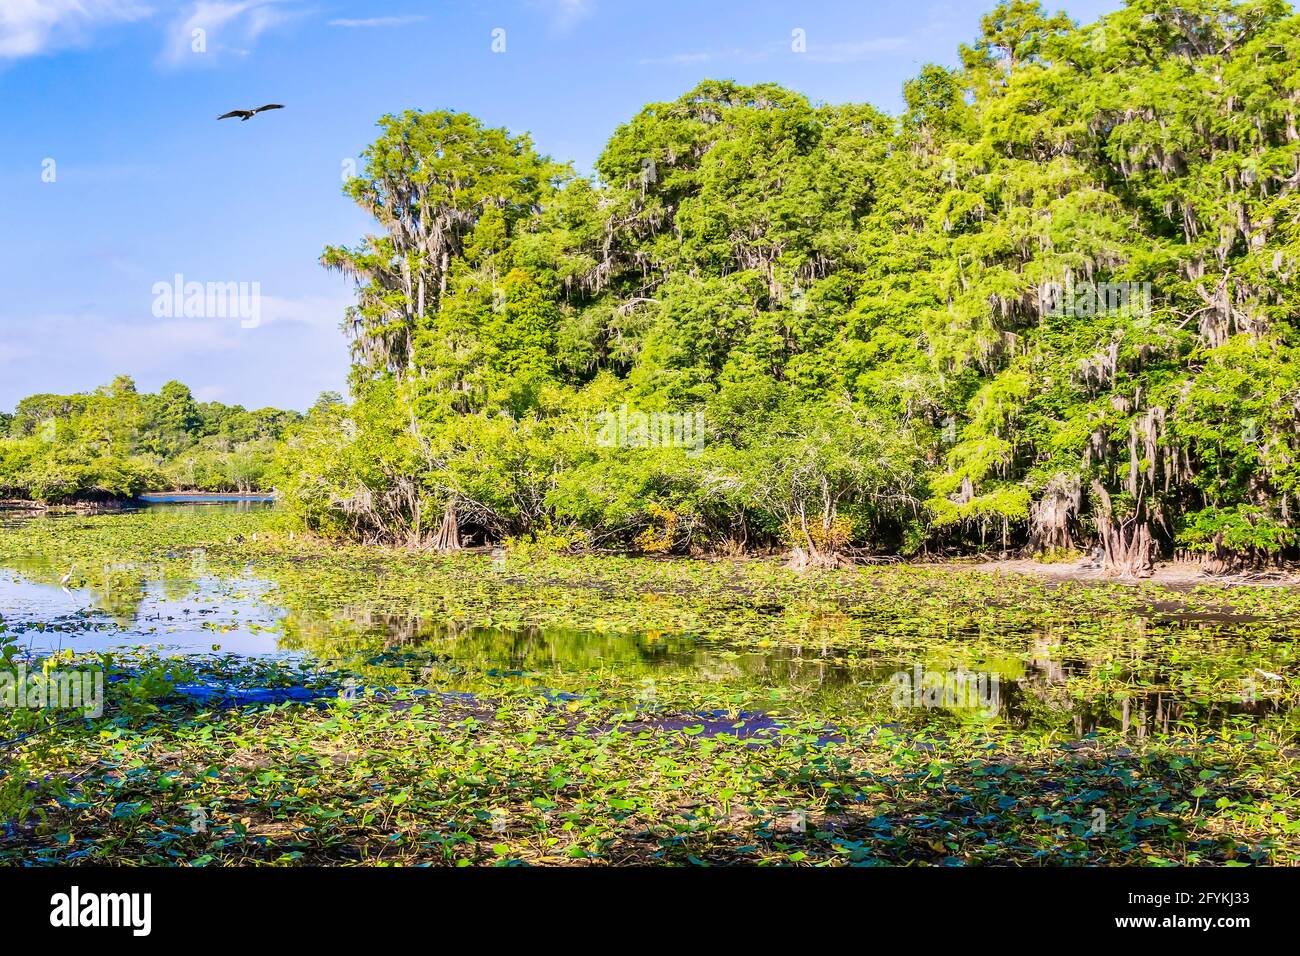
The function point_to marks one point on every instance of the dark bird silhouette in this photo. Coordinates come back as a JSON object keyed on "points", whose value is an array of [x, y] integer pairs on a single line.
{"points": [[246, 115]]}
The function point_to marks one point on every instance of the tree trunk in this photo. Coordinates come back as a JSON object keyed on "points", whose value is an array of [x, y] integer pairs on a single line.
{"points": [[1052, 515], [449, 534], [1128, 543]]}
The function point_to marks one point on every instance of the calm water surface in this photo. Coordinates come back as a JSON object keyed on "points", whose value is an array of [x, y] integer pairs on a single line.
{"points": [[1039, 685]]}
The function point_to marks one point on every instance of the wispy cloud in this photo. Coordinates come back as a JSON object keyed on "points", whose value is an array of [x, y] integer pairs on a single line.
{"points": [[76, 351], [703, 56], [848, 51], [208, 29], [321, 312], [565, 14], [12, 353], [33, 27], [841, 51], [677, 59], [379, 21]]}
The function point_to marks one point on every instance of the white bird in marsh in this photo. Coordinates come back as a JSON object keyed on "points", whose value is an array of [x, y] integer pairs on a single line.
{"points": [[67, 577]]}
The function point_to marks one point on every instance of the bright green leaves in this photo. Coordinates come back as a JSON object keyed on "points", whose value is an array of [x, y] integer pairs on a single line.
{"points": [[449, 193]]}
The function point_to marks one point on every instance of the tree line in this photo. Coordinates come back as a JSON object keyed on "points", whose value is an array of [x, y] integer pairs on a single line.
{"points": [[116, 442], [1052, 304]]}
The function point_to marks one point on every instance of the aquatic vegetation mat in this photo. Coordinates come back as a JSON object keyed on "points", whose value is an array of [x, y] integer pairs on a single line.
{"points": [[422, 709]]}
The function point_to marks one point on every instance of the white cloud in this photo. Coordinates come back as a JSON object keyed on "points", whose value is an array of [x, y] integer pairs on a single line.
{"points": [[678, 59], [12, 353], [566, 13], [83, 338], [32, 27], [847, 51], [123, 342], [77, 351], [221, 27], [322, 312], [210, 393], [841, 51], [379, 21], [704, 56]]}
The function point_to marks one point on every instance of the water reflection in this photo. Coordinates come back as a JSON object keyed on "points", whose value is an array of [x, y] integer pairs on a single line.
{"points": [[1212, 671], [1045, 689], [230, 502], [12, 516], [167, 613]]}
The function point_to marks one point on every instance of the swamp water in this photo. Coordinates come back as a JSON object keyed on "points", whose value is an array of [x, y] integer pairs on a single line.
{"points": [[1188, 672]]}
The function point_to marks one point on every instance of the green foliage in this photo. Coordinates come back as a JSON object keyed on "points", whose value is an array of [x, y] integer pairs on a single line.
{"points": [[1239, 530], [116, 443], [540, 708], [1069, 264]]}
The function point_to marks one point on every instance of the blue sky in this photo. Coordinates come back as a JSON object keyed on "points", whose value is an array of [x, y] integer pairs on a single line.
{"points": [[146, 185]]}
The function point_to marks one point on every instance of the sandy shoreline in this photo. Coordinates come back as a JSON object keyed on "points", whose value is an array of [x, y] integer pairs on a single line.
{"points": [[1167, 574]]}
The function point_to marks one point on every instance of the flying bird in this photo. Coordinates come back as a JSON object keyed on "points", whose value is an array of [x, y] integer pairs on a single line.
{"points": [[246, 115]]}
